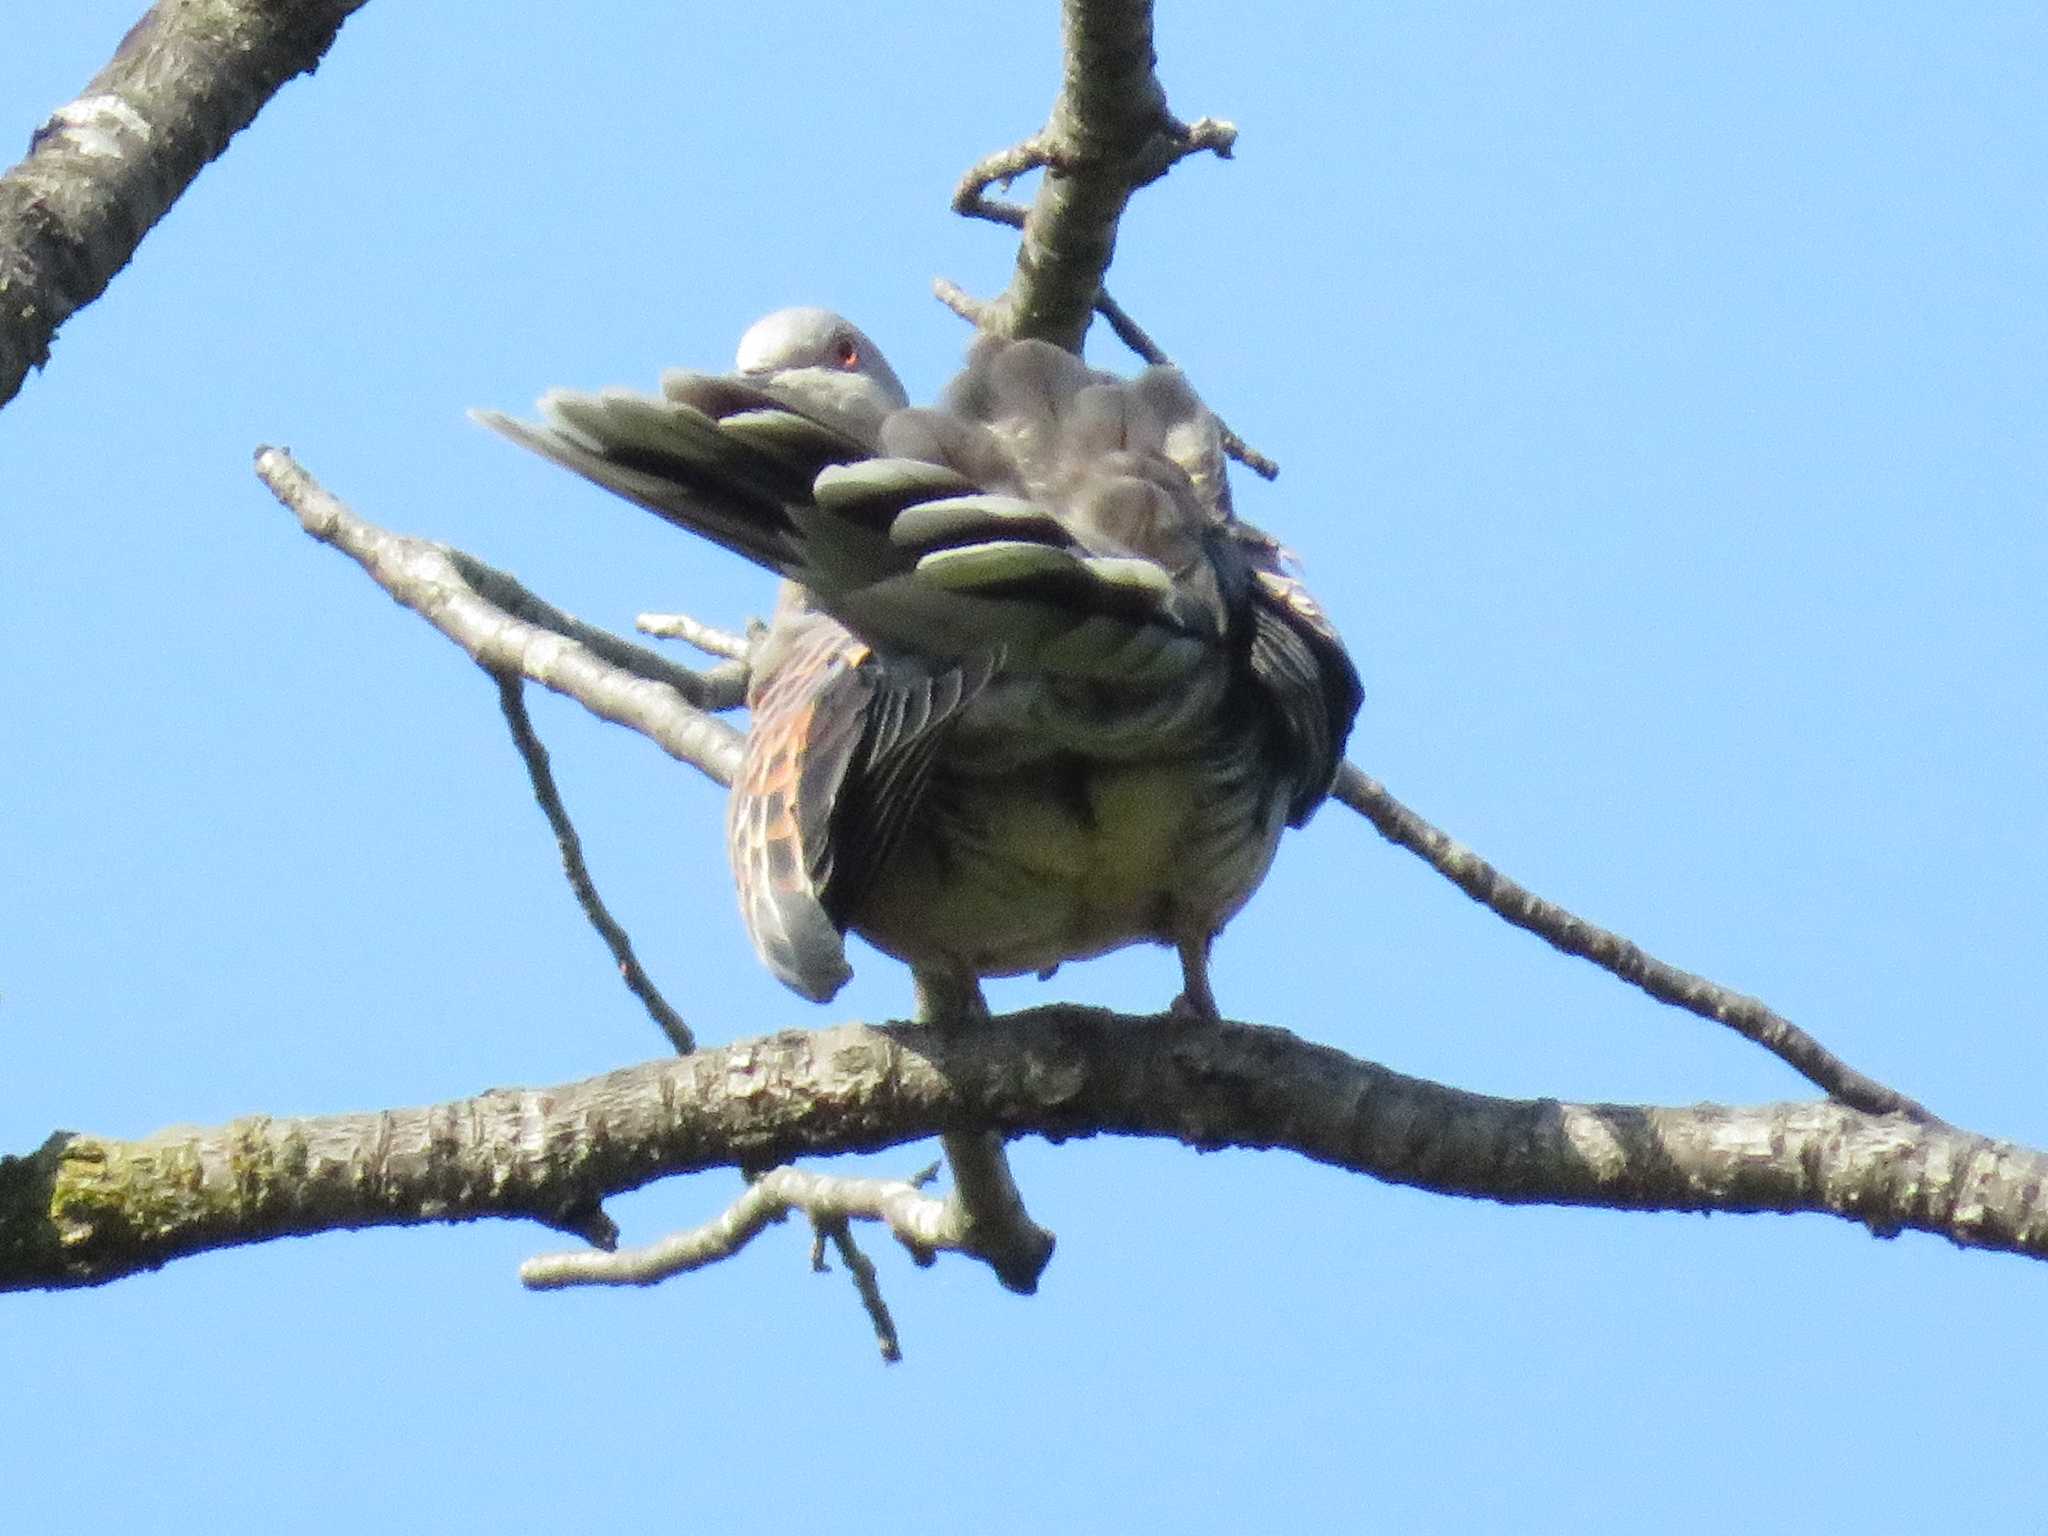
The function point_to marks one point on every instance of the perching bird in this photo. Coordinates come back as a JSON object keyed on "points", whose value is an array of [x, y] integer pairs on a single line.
{"points": [[1031, 692]]}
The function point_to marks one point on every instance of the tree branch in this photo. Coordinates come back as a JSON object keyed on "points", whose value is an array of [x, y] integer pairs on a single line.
{"points": [[511, 700], [707, 638], [1139, 340], [510, 632], [84, 1210], [104, 168], [1620, 957], [867, 1284], [917, 1220], [1109, 133]]}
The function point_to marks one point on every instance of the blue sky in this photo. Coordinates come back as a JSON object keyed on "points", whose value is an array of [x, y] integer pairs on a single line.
{"points": [[1660, 395]]}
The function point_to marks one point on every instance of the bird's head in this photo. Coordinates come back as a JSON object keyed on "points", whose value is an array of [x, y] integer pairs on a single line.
{"points": [[826, 361]]}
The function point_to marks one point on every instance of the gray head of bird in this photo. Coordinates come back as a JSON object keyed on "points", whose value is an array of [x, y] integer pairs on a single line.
{"points": [[827, 364]]}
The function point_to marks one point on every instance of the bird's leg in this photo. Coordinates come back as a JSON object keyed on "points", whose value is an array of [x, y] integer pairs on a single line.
{"points": [[948, 999], [1196, 1000], [985, 1204]]}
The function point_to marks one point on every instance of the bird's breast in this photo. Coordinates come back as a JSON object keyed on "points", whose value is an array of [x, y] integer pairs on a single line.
{"points": [[1067, 857]]}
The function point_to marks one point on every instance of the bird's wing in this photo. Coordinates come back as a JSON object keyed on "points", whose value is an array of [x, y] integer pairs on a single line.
{"points": [[946, 537], [1307, 678], [719, 456], [836, 763]]}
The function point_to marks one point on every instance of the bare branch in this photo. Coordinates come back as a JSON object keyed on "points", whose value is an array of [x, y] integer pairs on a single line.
{"points": [[707, 638], [1109, 133], [866, 1283], [1173, 142], [510, 632], [985, 1213], [104, 168], [958, 300], [535, 756], [1104, 141], [84, 1210], [917, 1219], [832, 1203], [714, 689], [970, 197], [1134, 336], [1611, 952]]}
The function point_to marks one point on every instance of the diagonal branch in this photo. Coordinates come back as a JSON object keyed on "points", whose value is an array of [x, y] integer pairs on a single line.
{"points": [[1611, 952], [511, 699], [1135, 336], [104, 168], [509, 631], [84, 1210], [867, 1284], [707, 638]]}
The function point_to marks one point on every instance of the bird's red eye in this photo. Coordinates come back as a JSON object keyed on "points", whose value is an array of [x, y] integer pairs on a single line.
{"points": [[846, 354]]}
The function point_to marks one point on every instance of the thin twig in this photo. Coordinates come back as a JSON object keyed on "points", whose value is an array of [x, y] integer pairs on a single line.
{"points": [[511, 698], [714, 689], [1135, 336], [960, 301], [923, 1223], [1611, 952], [970, 196], [1172, 143], [866, 1283], [708, 638]]}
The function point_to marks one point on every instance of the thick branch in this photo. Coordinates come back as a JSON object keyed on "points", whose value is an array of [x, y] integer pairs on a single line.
{"points": [[188, 77], [84, 1210], [1109, 133]]}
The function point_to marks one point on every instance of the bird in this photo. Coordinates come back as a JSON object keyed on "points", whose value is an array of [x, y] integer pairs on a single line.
{"points": [[1031, 691]]}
